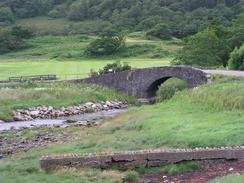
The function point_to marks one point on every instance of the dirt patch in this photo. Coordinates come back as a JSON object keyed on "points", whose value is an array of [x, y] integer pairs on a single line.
{"points": [[209, 171]]}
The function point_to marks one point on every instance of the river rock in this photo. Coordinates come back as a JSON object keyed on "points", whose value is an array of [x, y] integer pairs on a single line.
{"points": [[44, 112], [70, 121], [34, 113]]}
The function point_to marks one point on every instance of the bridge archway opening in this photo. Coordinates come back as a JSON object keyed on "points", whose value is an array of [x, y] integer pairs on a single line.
{"points": [[153, 88]]}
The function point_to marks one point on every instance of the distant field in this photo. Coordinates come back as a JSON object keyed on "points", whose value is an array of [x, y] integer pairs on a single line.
{"points": [[64, 56], [68, 69]]}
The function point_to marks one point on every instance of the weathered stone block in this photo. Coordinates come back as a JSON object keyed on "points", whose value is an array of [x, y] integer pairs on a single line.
{"points": [[157, 163]]}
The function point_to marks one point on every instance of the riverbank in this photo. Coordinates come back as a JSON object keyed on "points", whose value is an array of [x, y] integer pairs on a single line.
{"points": [[48, 112], [22, 136], [58, 97]]}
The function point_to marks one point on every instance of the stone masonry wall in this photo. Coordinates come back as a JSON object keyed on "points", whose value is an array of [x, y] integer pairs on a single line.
{"points": [[131, 160]]}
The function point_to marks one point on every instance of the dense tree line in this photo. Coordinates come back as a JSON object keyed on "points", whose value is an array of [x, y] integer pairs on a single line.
{"points": [[215, 46], [183, 17]]}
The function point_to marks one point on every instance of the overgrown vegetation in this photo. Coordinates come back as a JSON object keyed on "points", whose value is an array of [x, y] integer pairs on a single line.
{"points": [[225, 94], [236, 61], [111, 68], [168, 89], [212, 46], [52, 94]]}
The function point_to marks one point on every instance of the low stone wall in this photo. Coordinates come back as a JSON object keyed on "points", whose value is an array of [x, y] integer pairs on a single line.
{"points": [[131, 160], [48, 112]]}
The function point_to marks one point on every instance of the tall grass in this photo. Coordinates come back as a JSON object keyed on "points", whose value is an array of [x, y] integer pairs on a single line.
{"points": [[224, 94]]}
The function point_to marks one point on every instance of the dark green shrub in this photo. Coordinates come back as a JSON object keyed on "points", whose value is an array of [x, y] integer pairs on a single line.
{"points": [[111, 68], [131, 177], [236, 61], [169, 88]]}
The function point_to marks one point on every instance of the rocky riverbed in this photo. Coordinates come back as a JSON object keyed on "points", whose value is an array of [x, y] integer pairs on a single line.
{"points": [[86, 120], [24, 135], [48, 112]]}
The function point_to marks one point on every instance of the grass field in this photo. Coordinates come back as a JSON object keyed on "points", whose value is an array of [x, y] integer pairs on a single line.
{"points": [[181, 122], [64, 56], [68, 69]]}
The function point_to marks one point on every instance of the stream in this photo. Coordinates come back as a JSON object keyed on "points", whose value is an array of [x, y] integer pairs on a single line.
{"points": [[82, 119]]}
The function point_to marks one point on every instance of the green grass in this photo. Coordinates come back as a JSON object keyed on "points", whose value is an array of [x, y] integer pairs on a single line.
{"points": [[52, 94], [68, 69], [230, 179], [227, 94], [182, 122], [64, 56]]}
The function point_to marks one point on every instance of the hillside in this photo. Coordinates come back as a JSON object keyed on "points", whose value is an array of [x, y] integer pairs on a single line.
{"points": [[183, 17]]}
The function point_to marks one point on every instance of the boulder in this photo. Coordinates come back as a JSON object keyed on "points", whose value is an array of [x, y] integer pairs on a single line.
{"points": [[34, 113]]}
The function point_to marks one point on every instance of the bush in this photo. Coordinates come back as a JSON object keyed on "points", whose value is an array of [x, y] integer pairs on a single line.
{"points": [[236, 61], [111, 68], [169, 88], [131, 177]]}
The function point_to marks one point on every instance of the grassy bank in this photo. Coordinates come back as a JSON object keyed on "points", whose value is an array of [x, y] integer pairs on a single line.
{"points": [[56, 94], [182, 122]]}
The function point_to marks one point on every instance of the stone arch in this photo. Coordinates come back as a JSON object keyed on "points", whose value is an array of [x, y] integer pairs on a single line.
{"points": [[152, 88], [143, 83]]}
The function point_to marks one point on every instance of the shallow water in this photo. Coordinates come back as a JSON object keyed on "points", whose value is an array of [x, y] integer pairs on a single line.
{"points": [[96, 116]]}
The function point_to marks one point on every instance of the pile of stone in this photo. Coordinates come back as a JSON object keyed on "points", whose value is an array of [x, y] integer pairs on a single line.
{"points": [[48, 112]]}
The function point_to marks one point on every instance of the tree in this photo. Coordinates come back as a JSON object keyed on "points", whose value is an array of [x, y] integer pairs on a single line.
{"points": [[160, 31], [237, 32], [236, 61], [202, 49], [7, 41], [13, 39], [6, 15], [21, 32], [109, 42]]}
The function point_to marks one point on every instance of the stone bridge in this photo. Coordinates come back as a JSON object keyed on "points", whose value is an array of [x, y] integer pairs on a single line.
{"points": [[143, 83]]}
